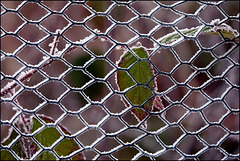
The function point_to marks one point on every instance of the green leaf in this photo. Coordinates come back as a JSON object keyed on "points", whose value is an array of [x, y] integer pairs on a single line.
{"points": [[224, 29], [46, 137], [138, 74], [50, 135], [46, 155], [66, 147], [6, 155]]}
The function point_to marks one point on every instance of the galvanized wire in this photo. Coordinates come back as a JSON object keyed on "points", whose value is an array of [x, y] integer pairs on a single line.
{"points": [[151, 144]]}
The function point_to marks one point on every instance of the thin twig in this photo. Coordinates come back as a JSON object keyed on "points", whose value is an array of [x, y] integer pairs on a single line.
{"points": [[26, 75]]}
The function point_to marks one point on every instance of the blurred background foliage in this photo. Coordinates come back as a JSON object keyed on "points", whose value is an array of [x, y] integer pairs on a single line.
{"points": [[165, 60]]}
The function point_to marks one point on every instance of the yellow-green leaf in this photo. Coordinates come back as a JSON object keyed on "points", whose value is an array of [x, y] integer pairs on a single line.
{"points": [[137, 78], [47, 137]]}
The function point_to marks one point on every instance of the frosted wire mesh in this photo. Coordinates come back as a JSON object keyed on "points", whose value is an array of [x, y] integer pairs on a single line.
{"points": [[197, 78]]}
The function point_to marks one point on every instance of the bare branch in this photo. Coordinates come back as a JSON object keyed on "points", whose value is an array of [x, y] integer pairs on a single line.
{"points": [[28, 74]]}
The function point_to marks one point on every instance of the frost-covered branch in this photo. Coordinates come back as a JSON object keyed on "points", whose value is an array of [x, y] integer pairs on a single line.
{"points": [[28, 74]]}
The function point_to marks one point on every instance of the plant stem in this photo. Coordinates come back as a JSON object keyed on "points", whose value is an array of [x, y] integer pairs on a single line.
{"points": [[26, 75]]}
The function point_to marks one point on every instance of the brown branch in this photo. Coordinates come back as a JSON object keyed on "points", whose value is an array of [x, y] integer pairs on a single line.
{"points": [[11, 85]]}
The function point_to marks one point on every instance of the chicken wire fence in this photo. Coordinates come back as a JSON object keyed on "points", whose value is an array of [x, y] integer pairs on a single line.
{"points": [[58, 71]]}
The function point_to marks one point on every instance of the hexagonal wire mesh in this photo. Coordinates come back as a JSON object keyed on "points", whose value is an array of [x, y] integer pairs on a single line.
{"points": [[73, 84]]}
